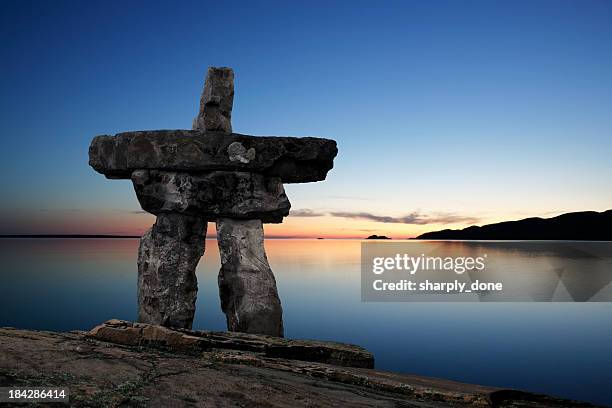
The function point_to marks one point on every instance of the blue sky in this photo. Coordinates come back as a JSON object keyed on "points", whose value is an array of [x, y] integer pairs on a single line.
{"points": [[481, 110]]}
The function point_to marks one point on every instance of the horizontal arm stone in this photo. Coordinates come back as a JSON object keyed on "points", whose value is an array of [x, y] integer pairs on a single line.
{"points": [[212, 195], [292, 159]]}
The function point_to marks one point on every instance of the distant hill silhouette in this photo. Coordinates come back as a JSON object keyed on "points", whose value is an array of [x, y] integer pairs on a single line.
{"points": [[577, 226], [378, 237]]}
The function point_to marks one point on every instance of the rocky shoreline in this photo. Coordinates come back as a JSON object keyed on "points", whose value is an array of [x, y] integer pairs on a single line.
{"points": [[125, 364]]}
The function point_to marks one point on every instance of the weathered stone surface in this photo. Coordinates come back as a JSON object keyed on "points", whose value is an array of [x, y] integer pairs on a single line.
{"points": [[216, 101], [103, 374], [187, 177], [194, 342], [247, 287], [168, 255], [293, 159], [212, 195]]}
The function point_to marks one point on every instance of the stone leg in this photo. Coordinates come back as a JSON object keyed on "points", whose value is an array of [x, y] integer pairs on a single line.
{"points": [[247, 286], [167, 258]]}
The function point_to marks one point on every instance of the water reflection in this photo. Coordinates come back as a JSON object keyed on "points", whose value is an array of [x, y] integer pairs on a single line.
{"points": [[557, 348]]}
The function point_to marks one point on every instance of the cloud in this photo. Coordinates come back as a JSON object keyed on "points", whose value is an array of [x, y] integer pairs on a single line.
{"points": [[352, 198], [413, 218], [450, 218], [307, 213]]}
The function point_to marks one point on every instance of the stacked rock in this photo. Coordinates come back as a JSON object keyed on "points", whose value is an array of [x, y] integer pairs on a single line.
{"points": [[190, 177]]}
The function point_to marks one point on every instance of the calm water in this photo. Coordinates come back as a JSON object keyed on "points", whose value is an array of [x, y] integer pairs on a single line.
{"points": [[563, 349]]}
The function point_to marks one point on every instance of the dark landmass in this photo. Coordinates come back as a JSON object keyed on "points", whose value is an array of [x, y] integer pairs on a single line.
{"points": [[67, 236], [378, 237], [576, 226], [124, 364]]}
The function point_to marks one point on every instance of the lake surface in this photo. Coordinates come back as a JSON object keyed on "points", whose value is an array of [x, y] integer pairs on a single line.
{"points": [[564, 349]]}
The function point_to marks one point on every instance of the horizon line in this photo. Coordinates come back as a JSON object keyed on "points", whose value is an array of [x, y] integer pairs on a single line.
{"points": [[114, 236]]}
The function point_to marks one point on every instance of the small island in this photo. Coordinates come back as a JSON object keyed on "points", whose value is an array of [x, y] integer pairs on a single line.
{"points": [[378, 237]]}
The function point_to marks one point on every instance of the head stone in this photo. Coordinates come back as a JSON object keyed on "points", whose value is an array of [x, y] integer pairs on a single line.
{"points": [[216, 101]]}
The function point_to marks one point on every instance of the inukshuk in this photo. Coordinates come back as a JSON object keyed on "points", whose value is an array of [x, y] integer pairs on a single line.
{"points": [[189, 177]]}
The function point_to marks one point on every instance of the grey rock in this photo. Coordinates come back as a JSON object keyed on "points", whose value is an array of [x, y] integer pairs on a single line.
{"points": [[247, 287], [108, 367], [292, 159], [212, 195], [237, 152], [195, 342], [187, 177], [216, 101], [167, 257]]}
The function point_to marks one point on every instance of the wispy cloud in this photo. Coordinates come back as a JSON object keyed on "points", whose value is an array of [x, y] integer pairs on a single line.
{"points": [[305, 212], [414, 218], [352, 198]]}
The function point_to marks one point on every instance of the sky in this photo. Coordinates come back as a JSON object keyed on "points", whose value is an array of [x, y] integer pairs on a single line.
{"points": [[446, 113]]}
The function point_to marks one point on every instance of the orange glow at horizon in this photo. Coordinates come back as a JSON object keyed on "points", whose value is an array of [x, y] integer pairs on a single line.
{"points": [[135, 223], [116, 222]]}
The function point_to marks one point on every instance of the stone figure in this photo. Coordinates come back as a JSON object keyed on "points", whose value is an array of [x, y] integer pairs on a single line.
{"points": [[190, 177]]}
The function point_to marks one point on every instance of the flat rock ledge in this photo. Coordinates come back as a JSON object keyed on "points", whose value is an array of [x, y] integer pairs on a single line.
{"points": [[124, 364], [195, 342]]}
